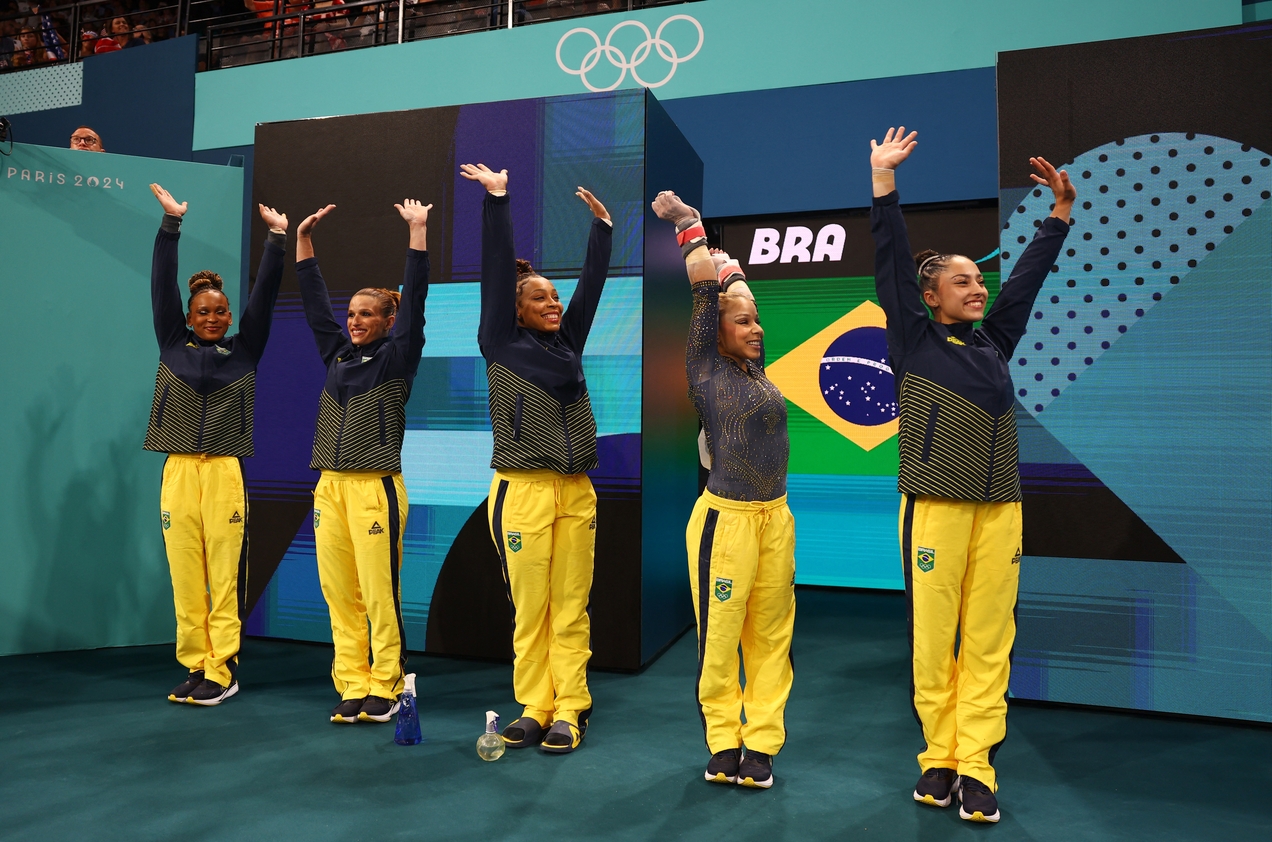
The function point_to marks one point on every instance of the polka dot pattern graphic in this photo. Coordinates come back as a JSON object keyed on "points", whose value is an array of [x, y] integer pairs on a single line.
{"points": [[1150, 209], [42, 88], [856, 381]]}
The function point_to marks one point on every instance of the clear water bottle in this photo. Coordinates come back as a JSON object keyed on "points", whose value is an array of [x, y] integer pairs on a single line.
{"points": [[490, 746], [408, 719]]}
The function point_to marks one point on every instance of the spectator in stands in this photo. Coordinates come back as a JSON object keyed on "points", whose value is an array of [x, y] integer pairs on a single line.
{"points": [[121, 36], [88, 40], [87, 140], [30, 52]]}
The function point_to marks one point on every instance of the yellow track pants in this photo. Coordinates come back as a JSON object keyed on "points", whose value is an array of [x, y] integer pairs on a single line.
{"points": [[742, 574], [203, 509], [544, 526], [962, 572], [359, 517]]}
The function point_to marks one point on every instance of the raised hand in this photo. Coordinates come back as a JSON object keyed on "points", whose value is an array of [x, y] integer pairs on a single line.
{"points": [[273, 218], [414, 211], [169, 204], [1058, 181], [593, 203], [485, 176], [667, 205], [896, 147], [307, 226]]}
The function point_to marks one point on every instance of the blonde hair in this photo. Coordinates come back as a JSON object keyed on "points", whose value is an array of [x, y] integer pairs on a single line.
{"points": [[388, 299]]}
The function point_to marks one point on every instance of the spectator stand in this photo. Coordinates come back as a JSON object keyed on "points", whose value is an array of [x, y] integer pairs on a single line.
{"points": [[239, 32]]}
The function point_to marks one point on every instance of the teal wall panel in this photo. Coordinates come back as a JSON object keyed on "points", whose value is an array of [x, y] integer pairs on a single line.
{"points": [[80, 542], [746, 45]]}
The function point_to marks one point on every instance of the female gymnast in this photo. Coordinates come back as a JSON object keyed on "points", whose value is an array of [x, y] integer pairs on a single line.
{"points": [[741, 535], [542, 507], [960, 524], [202, 418], [360, 501]]}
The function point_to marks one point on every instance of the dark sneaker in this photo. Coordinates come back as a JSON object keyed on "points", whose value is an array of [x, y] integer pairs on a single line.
{"points": [[377, 709], [756, 770], [723, 768], [936, 787], [209, 693], [562, 738], [523, 733], [975, 802], [347, 711], [182, 691]]}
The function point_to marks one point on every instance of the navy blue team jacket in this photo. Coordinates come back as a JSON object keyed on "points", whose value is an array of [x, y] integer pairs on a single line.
{"points": [[204, 391], [362, 407], [540, 412], [958, 424]]}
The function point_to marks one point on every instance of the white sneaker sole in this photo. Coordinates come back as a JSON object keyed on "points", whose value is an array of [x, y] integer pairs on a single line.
{"points": [[931, 801], [978, 816], [752, 783], [216, 700], [366, 717], [719, 778]]}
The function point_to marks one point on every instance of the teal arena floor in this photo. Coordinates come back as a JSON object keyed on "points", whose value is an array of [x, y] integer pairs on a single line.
{"points": [[90, 749]]}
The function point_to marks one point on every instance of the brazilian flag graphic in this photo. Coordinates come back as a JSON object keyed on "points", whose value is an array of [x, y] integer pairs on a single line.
{"points": [[826, 349]]}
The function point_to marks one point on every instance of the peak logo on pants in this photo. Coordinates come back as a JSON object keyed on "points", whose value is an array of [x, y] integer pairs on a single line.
{"points": [[376, 528]]}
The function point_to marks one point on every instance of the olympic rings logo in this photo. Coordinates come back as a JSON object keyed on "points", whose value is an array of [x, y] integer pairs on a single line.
{"points": [[616, 57]]}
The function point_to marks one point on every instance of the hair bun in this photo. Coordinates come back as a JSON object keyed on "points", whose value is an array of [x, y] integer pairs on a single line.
{"points": [[924, 255], [524, 268], [205, 280]]}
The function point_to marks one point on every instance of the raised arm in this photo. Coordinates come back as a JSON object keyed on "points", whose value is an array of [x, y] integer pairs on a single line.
{"points": [[313, 291], [498, 324], [165, 299], [702, 349], [408, 330], [1007, 320], [896, 281], [259, 313], [577, 321]]}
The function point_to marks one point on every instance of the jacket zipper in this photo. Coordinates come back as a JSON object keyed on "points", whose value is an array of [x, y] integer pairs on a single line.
{"points": [[569, 452], [993, 450]]}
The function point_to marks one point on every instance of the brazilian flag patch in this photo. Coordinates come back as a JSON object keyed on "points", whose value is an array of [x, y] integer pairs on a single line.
{"points": [[166, 519], [317, 517], [926, 559], [723, 589], [514, 541]]}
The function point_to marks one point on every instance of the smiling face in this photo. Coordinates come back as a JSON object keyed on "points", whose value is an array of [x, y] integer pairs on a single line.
{"points": [[741, 337], [365, 321], [210, 315], [539, 306], [960, 293]]}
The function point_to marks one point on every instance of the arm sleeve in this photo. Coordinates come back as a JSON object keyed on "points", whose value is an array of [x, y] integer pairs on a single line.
{"points": [[408, 329], [322, 321], [1006, 321], [259, 313], [702, 351], [498, 324], [577, 321], [895, 274], [170, 326]]}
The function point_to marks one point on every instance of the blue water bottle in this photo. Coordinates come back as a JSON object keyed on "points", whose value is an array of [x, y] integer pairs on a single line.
{"points": [[408, 720]]}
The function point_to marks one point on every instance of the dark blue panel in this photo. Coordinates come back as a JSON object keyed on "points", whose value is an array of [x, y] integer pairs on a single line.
{"points": [[669, 453], [802, 149], [141, 102]]}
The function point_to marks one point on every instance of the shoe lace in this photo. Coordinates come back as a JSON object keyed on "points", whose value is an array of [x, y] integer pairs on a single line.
{"points": [[938, 774], [974, 786]]}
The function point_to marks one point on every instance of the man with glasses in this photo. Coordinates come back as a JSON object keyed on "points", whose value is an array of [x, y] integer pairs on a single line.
{"points": [[86, 140]]}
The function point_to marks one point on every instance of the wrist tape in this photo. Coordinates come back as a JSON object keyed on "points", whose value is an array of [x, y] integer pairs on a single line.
{"points": [[690, 235]]}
